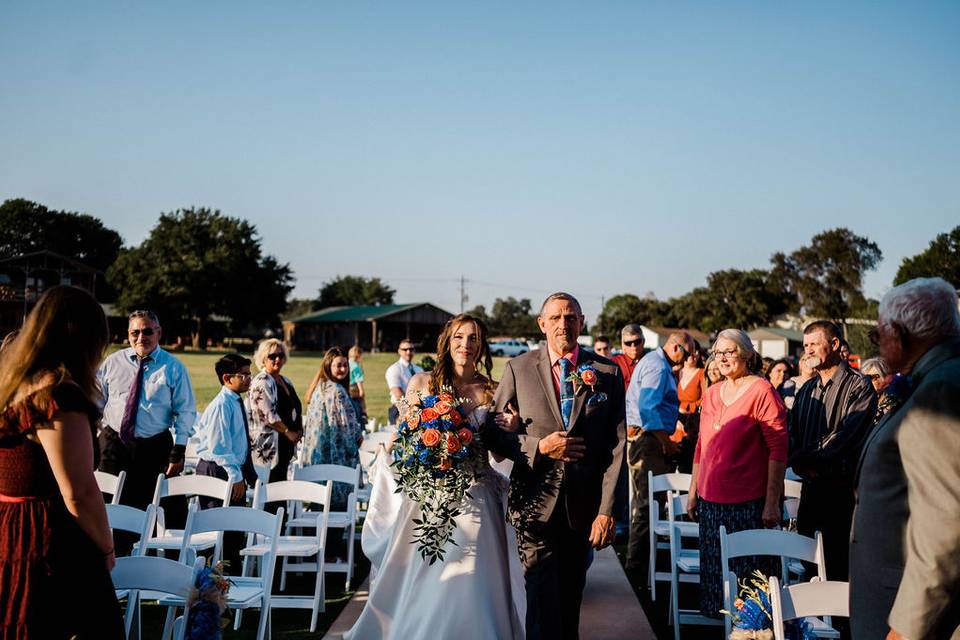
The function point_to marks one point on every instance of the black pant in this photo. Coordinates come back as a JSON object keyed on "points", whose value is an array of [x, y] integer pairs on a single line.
{"points": [[285, 451], [232, 540], [393, 414], [143, 459], [826, 505], [555, 572]]}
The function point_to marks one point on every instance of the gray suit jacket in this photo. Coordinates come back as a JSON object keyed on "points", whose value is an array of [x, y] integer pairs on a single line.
{"points": [[588, 485], [905, 540]]}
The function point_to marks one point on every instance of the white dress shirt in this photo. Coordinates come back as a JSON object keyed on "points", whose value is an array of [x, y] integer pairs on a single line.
{"points": [[399, 374]]}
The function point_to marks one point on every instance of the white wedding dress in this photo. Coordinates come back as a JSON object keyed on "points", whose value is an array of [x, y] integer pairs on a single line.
{"points": [[477, 592]]}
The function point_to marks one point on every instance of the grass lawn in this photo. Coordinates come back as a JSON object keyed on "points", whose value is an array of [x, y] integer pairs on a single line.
{"points": [[300, 369]]}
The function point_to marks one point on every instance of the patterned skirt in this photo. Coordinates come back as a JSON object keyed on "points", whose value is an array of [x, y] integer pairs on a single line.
{"points": [[735, 517]]}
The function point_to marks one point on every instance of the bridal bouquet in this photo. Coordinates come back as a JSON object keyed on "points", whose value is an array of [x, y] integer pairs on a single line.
{"points": [[437, 456]]}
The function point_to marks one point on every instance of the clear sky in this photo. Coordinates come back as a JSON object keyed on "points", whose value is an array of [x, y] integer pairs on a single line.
{"points": [[599, 148]]}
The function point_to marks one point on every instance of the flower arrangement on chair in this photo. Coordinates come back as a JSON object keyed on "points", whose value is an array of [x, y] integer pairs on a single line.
{"points": [[208, 602], [753, 614]]}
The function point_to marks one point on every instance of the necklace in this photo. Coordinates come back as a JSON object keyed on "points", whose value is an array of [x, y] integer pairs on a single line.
{"points": [[723, 405]]}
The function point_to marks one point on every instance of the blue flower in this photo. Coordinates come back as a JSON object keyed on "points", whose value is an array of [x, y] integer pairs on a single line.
{"points": [[597, 398], [425, 457], [428, 401]]}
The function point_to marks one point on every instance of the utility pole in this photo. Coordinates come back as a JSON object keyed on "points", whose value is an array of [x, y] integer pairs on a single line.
{"points": [[463, 292]]}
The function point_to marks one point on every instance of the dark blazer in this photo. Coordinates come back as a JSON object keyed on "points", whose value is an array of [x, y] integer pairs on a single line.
{"points": [[537, 482], [905, 541]]}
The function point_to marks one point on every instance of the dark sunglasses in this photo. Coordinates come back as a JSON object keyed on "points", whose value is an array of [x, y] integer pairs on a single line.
{"points": [[632, 343], [277, 356], [134, 333]]}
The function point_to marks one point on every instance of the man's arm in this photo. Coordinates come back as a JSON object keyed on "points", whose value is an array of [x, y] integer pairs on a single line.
{"points": [[394, 384], [183, 405], [632, 400], [929, 441], [618, 438]]}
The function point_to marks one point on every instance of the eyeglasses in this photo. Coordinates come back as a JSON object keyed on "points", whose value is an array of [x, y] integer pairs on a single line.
{"points": [[149, 331], [729, 353], [242, 376], [633, 343], [277, 356]]}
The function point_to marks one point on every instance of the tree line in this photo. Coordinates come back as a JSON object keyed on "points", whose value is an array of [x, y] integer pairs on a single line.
{"points": [[197, 264]]}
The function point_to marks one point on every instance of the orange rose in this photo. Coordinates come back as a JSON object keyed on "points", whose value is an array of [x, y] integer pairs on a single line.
{"points": [[453, 444], [430, 437], [445, 464], [455, 417], [441, 407], [413, 419], [429, 414], [589, 377], [445, 397], [465, 435]]}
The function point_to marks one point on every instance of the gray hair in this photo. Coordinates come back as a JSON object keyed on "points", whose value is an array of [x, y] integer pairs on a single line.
{"points": [[925, 307], [144, 313], [264, 349], [879, 365], [745, 347], [560, 295], [632, 330]]}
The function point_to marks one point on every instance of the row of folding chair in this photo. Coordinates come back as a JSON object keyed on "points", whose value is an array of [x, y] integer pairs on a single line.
{"points": [[111, 484]]}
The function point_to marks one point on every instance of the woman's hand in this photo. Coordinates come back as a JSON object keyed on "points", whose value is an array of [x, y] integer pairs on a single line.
{"points": [[692, 506], [293, 436], [508, 419], [771, 515]]}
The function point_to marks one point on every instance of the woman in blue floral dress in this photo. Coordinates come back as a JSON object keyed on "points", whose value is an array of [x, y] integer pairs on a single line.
{"points": [[332, 428]]}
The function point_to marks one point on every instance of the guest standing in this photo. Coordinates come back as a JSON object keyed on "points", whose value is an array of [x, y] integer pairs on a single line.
{"points": [[905, 541], [398, 377], [148, 395], [712, 372], [739, 465], [829, 422], [357, 393], [652, 409], [276, 420], [56, 549], [631, 351], [691, 386], [332, 430], [780, 376], [602, 347], [805, 369]]}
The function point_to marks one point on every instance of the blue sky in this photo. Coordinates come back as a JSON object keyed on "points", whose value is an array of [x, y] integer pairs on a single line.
{"points": [[600, 148]]}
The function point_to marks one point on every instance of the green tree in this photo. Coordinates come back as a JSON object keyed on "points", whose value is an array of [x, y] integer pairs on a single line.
{"points": [[26, 227], [941, 258], [512, 317], [346, 291], [825, 277], [298, 307], [196, 263], [732, 298], [626, 308]]}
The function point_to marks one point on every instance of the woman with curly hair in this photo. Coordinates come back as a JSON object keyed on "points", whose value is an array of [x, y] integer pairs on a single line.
{"points": [[54, 533]]}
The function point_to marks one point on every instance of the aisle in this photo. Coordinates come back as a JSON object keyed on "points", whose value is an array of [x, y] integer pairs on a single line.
{"points": [[610, 609]]}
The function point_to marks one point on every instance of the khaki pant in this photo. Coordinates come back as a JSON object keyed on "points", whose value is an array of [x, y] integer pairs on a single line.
{"points": [[643, 455]]}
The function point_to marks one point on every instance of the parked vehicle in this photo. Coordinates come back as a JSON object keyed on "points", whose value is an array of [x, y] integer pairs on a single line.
{"points": [[509, 348]]}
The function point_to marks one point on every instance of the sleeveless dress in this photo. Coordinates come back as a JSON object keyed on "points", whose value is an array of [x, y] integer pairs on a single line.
{"points": [[53, 580], [477, 592]]}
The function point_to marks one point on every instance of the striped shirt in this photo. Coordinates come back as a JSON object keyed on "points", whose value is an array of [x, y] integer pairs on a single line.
{"points": [[829, 424]]}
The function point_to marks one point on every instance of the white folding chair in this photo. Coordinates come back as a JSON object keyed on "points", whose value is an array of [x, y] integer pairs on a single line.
{"points": [[769, 542], [194, 486], [112, 484], [684, 565], [346, 520], [370, 449], [125, 518], [673, 484], [811, 600], [246, 592], [301, 547], [144, 578]]}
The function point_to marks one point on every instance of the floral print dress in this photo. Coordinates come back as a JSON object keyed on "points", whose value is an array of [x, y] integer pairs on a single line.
{"points": [[332, 432]]}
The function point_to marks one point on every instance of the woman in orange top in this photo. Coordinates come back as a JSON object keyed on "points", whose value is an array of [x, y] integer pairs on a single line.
{"points": [[691, 387]]}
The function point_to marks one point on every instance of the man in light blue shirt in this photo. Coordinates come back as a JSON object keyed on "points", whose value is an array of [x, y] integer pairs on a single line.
{"points": [[222, 430], [147, 394], [652, 409]]}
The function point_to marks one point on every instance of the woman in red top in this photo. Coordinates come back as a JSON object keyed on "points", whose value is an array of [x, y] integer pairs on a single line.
{"points": [[691, 385], [739, 463], [56, 549]]}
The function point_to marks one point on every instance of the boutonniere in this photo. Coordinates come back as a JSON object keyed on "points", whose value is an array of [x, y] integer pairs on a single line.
{"points": [[585, 375]]}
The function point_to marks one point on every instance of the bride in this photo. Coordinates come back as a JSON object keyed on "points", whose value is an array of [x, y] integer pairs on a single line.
{"points": [[477, 590]]}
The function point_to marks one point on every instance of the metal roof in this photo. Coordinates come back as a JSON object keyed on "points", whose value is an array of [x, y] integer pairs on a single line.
{"points": [[364, 313]]}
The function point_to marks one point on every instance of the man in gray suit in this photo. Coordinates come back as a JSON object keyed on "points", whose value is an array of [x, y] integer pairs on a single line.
{"points": [[562, 410], [905, 541]]}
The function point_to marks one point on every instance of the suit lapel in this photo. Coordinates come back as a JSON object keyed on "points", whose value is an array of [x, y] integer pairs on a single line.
{"points": [[546, 381]]}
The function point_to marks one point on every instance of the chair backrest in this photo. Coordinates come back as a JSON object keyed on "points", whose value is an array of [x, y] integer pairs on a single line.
{"points": [[148, 573], [133, 520], [678, 482], [815, 598], [297, 494], [192, 485], [112, 484], [371, 440], [327, 473], [792, 488]]}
